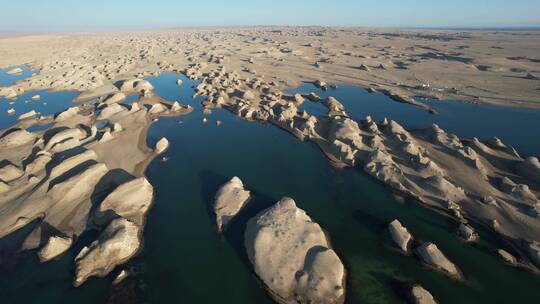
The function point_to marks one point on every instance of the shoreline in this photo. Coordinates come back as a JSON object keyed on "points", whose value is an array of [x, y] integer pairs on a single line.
{"points": [[459, 178]]}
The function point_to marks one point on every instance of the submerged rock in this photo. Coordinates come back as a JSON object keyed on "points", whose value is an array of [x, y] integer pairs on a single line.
{"points": [[116, 244], [291, 255], [400, 235], [230, 199]]}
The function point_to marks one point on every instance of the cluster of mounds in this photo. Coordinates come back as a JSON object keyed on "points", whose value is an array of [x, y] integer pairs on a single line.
{"points": [[427, 252], [84, 172], [289, 252], [487, 183], [478, 66]]}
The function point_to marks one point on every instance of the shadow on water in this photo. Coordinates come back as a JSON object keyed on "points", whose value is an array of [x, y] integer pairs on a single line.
{"points": [[185, 260]]}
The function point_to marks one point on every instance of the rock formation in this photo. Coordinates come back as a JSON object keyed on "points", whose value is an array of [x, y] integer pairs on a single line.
{"points": [[229, 200], [400, 235], [161, 146], [55, 246], [432, 256], [292, 257], [116, 244], [421, 296]]}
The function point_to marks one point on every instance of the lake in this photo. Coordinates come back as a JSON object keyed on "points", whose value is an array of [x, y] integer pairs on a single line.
{"points": [[184, 260]]}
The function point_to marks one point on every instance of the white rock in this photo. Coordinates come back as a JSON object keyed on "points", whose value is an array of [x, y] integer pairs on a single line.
{"points": [[107, 136], [116, 244], [467, 232], [55, 246], [291, 255], [27, 115], [14, 71], [421, 296], [130, 200], [506, 256], [120, 277], [117, 127], [176, 107], [431, 255], [400, 235], [157, 108], [229, 200], [161, 145], [10, 172], [67, 114], [110, 110], [117, 97], [16, 138]]}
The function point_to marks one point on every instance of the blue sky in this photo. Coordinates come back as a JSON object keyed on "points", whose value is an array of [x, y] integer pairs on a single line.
{"points": [[75, 15]]}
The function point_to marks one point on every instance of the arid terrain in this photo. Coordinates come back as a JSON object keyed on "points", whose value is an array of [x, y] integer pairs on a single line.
{"points": [[74, 176], [475, 66]]}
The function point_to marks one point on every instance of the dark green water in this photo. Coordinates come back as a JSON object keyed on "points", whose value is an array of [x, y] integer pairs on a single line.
{"points": [[185, 261]]}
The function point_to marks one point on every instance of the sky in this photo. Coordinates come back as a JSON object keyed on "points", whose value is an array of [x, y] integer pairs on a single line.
{"points": [[97, 15]]}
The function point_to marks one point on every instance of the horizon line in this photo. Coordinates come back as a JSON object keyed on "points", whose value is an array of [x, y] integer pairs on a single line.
{"points": [[151, 28]]}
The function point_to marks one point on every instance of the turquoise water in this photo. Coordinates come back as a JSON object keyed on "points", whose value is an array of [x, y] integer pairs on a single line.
{"points": [[517, 127], [7, 80], [184, 260], [49, 103]]}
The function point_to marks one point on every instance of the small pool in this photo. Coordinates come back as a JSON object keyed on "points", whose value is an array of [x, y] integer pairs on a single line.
{"points": [[49, 103], [7, 79]]}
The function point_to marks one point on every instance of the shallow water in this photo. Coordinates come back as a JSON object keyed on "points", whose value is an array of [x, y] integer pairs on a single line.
{"points": [[7, 80], [49, 103], [185, 261]]}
